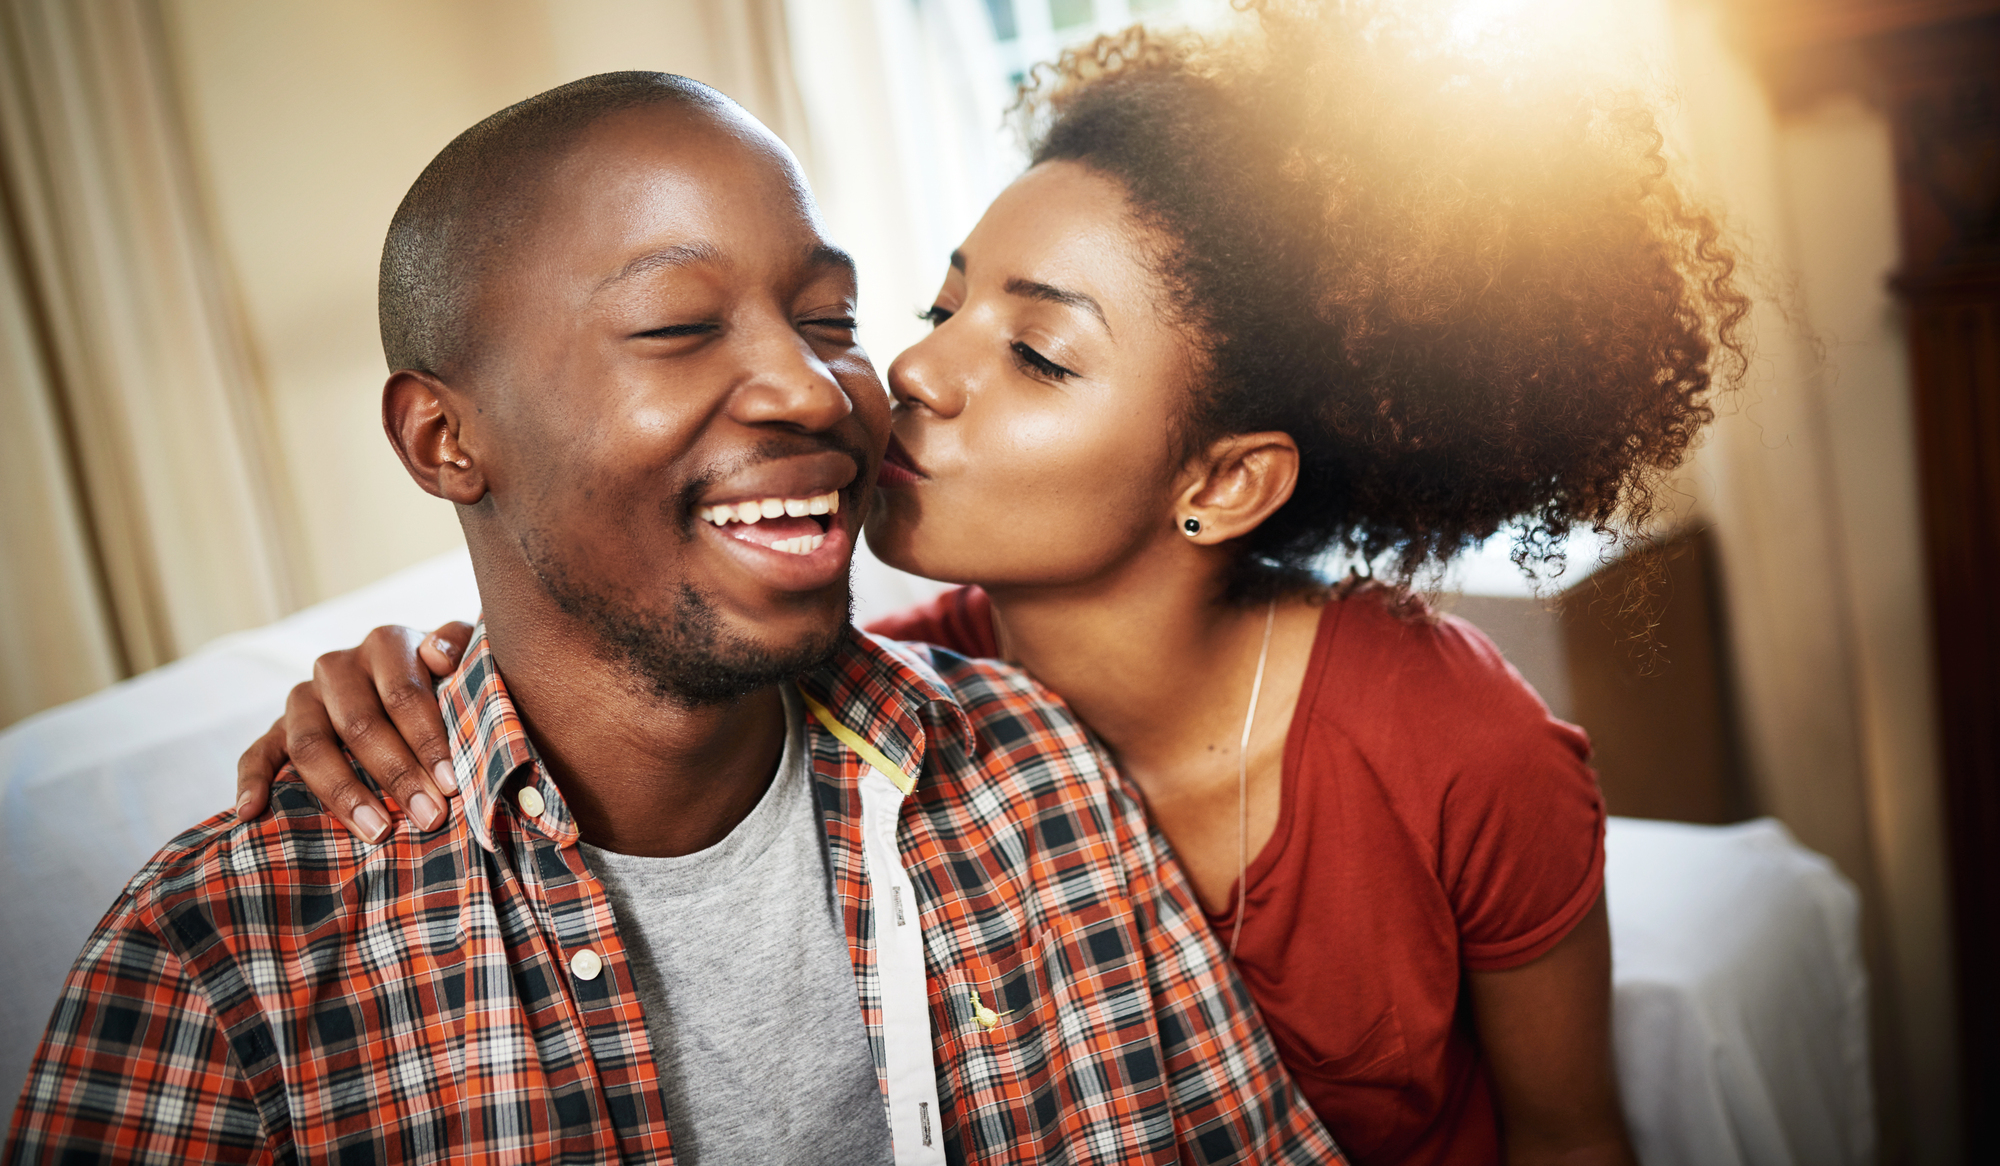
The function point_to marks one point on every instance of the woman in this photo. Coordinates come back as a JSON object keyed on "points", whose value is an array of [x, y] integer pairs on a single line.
{"points": [[1255, 301]]}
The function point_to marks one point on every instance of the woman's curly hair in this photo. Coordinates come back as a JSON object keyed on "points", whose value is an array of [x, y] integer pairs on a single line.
{"points": [[1471, 301]]}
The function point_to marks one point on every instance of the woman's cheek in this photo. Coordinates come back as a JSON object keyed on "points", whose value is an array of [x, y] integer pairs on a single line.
{"points": [[1057, 498], [1037, 496]]}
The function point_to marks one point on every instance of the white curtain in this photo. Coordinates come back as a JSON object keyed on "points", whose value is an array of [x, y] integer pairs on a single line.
{"points": [[142, 516]]}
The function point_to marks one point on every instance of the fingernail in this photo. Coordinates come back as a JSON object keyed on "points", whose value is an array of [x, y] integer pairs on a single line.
{"points": [[424, 808], [372, 823], [446, 779], [240, 802], [449, 649]]}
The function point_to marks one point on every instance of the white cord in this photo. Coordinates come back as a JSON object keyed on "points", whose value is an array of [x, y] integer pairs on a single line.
{"points": [[1243, 780]]}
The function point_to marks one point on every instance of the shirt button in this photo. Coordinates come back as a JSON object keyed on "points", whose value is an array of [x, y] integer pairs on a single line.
{"points": [[585, 964], [532, 805]]}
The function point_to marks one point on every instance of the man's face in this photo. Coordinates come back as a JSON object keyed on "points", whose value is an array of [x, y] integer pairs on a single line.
{"points": [[670, 361]]}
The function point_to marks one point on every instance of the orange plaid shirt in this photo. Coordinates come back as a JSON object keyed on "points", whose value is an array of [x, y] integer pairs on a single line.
{"points": [[277, 991]]}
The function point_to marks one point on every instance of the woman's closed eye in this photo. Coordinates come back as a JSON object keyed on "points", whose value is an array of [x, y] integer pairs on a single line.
{"points": [[1029, 359], [1039, 364]]}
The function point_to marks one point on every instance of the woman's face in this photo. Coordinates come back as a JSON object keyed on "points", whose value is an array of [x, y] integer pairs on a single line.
{"points": [[1037, 415]]}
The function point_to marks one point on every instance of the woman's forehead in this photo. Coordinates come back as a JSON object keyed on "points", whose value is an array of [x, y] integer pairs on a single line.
{"points": [[1066, 225]]}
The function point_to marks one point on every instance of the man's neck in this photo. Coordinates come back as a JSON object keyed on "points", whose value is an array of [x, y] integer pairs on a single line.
{"points": [[641, 774]]}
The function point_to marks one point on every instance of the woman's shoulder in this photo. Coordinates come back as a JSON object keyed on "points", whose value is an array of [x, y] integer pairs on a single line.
{"points": [[1495, 794], [1387, 662], [1430, 708]]}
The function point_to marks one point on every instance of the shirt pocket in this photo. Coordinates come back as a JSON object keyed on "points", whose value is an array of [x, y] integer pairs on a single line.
{"points": [[1020, 1027], [1362, 1089]]}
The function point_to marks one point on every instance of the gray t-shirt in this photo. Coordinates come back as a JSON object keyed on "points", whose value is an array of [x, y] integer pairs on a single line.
{"points": [[742, 968]]}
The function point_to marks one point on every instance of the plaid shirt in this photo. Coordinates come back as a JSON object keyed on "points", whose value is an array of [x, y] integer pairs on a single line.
{"points": [[276, 990]]}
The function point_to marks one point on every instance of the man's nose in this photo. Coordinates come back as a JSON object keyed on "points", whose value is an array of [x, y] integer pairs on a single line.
{"points": [[786, 383]]}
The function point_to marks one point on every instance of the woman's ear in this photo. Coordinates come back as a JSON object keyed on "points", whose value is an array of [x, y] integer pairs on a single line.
{"points": [[419, 416], [1237, 483]]}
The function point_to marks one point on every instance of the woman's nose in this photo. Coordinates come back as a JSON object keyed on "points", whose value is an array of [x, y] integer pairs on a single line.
{"points": [[920, 377]]}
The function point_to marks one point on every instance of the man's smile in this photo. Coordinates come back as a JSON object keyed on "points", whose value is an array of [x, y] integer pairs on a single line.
{"points": [[785, 521], [792, 525]]}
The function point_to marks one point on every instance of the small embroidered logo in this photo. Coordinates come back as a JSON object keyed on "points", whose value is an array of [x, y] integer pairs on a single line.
{"points": [[986, 1017]]}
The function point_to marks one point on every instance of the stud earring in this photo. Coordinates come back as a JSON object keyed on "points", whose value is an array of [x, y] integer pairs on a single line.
{"points": [[1191, 525]]}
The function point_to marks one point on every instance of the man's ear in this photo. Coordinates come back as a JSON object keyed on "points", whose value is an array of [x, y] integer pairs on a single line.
{"points": [[1237, 483], [420, 417]]}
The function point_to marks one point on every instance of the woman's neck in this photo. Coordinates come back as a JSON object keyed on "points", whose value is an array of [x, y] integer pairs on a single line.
{"points": [[1161, 670]]}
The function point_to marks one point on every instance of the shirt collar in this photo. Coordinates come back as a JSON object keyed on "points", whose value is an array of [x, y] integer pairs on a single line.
{"points": [[879, 697], [489, 743], [885, 695]]}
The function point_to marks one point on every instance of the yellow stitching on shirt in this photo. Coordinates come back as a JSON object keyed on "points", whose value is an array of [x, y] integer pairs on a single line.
{"points": [[986, 1017], [854, 741]]}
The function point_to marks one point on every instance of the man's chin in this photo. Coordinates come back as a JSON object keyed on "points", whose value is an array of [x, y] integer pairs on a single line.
{"points": [[694, 646], [712, 666], [695, 654]]}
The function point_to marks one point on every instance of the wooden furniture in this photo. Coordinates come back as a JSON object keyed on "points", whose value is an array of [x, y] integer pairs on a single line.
{"points": [[1933, 66], [1658, 706]]}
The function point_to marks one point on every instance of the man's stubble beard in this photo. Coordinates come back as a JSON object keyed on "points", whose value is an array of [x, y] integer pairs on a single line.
{"points": [[682, 653]]}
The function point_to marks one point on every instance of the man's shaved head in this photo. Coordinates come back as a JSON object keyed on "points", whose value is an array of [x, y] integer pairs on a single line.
{"points": [[479, 194]]}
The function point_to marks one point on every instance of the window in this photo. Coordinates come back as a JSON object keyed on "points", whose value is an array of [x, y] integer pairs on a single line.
{"points": [[1028, 31]]}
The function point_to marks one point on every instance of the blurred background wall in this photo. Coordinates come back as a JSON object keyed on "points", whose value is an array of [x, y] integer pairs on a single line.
{"points": [[195, 193]]}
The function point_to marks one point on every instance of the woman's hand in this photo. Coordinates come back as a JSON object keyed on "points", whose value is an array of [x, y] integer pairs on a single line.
{"points": [[377, 700], [1545, 1028]]}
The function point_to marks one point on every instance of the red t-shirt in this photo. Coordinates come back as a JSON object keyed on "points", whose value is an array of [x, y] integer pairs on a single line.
{"points": [[1435, 819]]}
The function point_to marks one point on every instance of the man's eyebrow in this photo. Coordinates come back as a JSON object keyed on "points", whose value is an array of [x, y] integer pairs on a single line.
{"points": [[681, 255], [828, 255], [1035, 290]]}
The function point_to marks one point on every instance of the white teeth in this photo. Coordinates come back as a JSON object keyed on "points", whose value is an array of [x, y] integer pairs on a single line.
{"points": [[751, 513], [805, 544]]}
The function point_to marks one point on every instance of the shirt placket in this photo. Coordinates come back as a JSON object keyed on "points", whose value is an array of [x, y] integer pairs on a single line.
{"points": [[880, 904], [596, 981]]}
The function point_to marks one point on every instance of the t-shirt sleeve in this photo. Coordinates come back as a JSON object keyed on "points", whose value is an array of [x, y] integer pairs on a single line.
{"points": [[1521, 845], [960, 619]]}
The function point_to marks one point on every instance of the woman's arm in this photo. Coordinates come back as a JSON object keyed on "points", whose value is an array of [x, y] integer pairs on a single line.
{"points": [[1545, 1028], [376, 700]]}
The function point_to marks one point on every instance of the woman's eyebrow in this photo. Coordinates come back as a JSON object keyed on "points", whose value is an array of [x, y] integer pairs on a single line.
{"points": [[1047, 292], [1036, 290]]}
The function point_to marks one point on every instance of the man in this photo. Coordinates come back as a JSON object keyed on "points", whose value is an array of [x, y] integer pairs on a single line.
{"points": [[731, 882]]}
